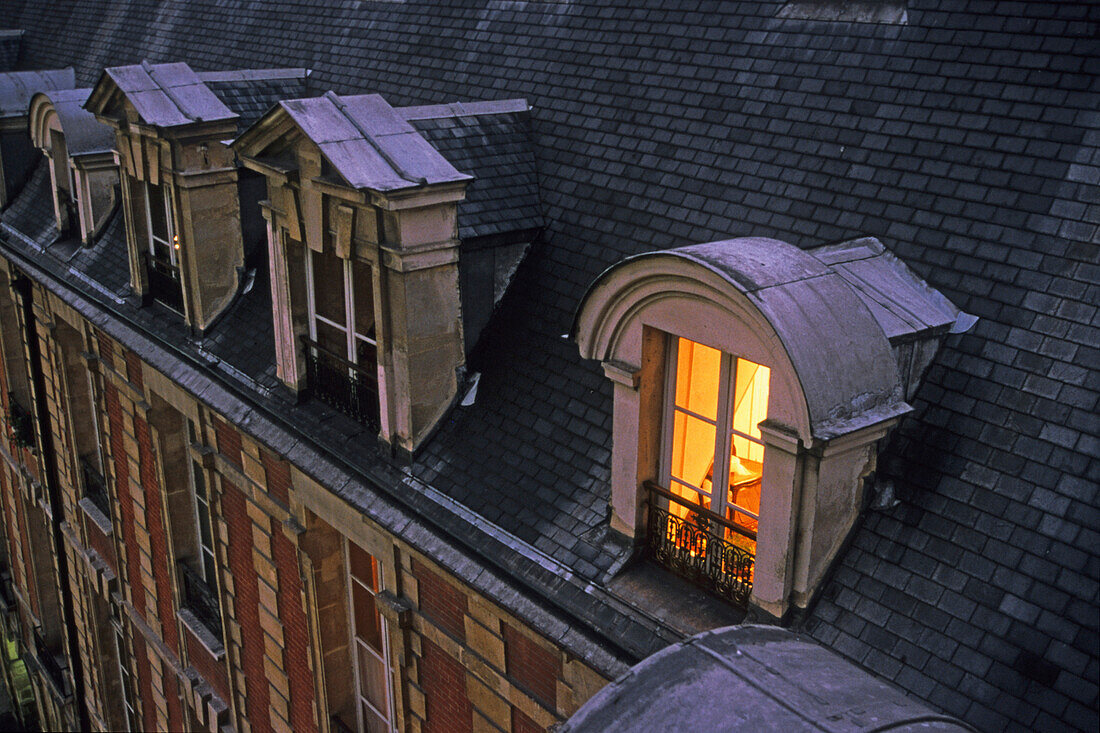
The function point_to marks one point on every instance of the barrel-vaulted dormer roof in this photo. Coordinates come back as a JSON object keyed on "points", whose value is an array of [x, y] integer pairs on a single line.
{"points": [[84, 134], [832, 327]]}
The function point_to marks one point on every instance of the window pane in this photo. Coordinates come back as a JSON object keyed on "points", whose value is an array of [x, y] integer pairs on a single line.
{"points": [[362, 566], [332, 339], [157, 214], [750, 403], [328, 288], [697, 371], [366, 355], [363, 282], [692, 450], [200, 482], [372, 679], [368, 625], [372, 723]]}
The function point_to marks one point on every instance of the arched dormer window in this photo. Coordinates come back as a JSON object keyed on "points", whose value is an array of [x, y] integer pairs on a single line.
{"points": [[752, 383], [82, 164]]}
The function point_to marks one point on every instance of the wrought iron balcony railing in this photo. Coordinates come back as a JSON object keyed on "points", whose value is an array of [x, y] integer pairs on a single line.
{"points": [[342, 384], [48, 662], [698, 547], [199, 598], [164, 282], [95, 488], [21, 422]]}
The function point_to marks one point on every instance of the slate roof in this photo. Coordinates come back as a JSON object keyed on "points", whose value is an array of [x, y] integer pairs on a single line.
{"points": [[10, 41], [84, 134], [368, 143], [17, 88], [492, 142], [250, 93], [965, 140], [168, 95]]}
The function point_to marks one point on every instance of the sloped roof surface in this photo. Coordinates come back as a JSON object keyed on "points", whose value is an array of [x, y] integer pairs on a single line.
{"points": [[251, 93], [369, 143], [492, 142], [17, 88], [168, 95], [965, 140], [10, 41]]}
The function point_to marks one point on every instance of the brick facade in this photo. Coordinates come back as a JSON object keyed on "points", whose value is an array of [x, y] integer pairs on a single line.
{"points": [[444, 683], [457, 660]]}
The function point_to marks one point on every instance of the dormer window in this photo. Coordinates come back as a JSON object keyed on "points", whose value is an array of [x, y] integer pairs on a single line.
{"points": [[16, 146], [705, 509], [752, 381], [186, 223], [342, 348], [373, 311], [81, 163], [715, 453], [162, 248]]}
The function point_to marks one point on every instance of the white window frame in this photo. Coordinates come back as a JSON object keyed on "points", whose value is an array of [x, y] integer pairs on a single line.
{"points": [[350, 334], [724, 431], [172, 244], [361, 647], [202, 504], [125, 680]]}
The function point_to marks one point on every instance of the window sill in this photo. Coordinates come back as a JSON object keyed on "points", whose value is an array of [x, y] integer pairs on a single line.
{"points": [[673, 601], [204, 635], [92, 511]]}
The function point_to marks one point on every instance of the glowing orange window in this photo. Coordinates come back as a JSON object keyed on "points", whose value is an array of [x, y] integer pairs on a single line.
{"points": [[713, 450]]}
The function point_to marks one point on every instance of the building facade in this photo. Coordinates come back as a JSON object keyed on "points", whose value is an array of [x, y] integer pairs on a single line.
{"points": [[293, 439]]}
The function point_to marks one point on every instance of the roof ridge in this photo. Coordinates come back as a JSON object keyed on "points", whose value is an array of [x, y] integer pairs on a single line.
{"points": [[463, 109], [397, 167], [268, 74], [148, 69]]}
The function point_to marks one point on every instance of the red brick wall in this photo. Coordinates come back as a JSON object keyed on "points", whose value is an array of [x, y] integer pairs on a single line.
{"points": [[101, 544], [229, 442], [17, 534], [522, 724], [277, 474], [171, 687], [125, 503], [444, 683], [106, 348], [258, 699], [133, 369], [534, 668], [295, 632], [158, 537], [31, 591], [442, 603], [211, 669]]}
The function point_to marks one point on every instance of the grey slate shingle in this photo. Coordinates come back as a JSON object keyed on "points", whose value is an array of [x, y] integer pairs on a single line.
{"points": [[950, 139]]}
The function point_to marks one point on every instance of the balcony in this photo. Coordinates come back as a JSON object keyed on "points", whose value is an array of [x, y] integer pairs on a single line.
{"points": [[164, 282], [199, 599], [49, 664], [21, 422], [703, 547], [95, 488], [342, 384]]}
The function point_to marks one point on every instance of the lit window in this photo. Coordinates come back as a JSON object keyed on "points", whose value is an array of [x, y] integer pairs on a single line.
{"points": [[373, 686], [712, 458], [342, 360]]}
